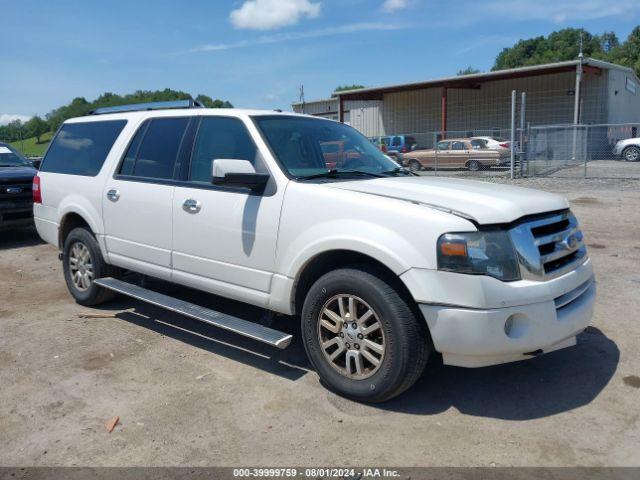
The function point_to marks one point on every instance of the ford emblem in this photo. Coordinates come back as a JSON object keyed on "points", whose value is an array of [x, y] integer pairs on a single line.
{"points": [[570, 242]]}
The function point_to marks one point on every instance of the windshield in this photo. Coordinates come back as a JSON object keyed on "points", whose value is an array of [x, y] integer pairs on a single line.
{"points": [[9, 158], [309, 146]]}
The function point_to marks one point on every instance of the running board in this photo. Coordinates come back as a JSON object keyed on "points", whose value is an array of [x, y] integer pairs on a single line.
{"points": [[237, 325]]}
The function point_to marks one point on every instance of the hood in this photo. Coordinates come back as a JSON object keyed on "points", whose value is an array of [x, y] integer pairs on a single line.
{"points": [[485, 203], [17, 173]]}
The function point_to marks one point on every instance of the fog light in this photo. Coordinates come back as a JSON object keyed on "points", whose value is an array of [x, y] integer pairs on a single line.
{"points": [[516, 325]]}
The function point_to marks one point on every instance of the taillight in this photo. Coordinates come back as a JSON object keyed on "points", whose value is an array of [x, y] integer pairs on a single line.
{"points": [[505, 145], [403, 149], [35, 189]]}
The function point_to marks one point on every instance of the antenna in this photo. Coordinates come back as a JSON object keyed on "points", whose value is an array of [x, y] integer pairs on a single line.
{"points": [[302, 97], [581, 55]]}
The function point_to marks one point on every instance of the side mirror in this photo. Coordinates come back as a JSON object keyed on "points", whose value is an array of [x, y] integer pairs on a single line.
{"points": [[238, 174]]}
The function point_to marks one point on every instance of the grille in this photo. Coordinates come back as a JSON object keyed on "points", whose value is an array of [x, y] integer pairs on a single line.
{"points": [[549, 247], [6, 191]]}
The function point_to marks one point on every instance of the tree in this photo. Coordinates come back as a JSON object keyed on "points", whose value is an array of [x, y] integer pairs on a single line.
{"points": [[565, 45], [556, 47], [468, 71], [210, 103], [36, 127], [343, 88]]}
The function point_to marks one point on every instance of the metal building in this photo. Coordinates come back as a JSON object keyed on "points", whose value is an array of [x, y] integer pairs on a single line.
{"points": [[583, 91]]}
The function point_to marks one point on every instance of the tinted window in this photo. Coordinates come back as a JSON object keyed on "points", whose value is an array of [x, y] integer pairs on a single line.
{"points": [[10, 159], [397, 141], [81, 148], [157, 154], [219, 137], [132, 152]]}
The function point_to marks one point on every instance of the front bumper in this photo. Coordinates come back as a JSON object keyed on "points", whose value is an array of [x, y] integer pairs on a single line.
{"points": [[16, 217], [480, 337]]}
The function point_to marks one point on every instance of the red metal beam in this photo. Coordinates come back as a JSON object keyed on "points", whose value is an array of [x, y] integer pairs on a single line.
{"points": [[443, 112]]}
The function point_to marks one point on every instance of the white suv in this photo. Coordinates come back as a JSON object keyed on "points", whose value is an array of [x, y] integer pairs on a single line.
{"points": [[383, 267]]}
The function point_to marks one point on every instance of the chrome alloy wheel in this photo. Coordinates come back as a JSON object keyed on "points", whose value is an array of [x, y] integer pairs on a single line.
{"points": [[351, 336], [632, 154], [80, 266]]}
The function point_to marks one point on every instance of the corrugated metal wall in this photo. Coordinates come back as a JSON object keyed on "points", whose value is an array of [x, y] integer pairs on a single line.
{"points": [[485, 110]]}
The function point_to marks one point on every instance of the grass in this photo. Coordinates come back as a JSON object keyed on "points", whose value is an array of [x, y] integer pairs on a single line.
{"points": [[30, 148]]}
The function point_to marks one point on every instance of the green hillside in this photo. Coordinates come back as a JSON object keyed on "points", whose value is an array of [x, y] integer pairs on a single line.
{"points": [[30, 148]]}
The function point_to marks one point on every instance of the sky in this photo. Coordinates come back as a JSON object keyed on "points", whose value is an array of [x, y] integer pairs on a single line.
{"points": [[257, 53]]}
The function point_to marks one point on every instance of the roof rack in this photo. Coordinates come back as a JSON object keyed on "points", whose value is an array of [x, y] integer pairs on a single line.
{"points": [[137, 107]]}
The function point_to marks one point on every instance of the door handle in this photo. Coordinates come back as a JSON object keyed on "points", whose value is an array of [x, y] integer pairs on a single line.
{"points": [[113, 195], [191, 206]]}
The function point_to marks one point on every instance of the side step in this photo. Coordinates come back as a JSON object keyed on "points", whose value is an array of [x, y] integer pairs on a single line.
{"points": [[234, 324]]}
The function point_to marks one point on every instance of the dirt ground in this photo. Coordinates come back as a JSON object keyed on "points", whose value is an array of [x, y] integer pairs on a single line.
{"points": [[189, 394]]}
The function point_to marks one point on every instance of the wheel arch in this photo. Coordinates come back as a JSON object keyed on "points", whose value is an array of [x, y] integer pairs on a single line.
{"points": [[330, 260]]}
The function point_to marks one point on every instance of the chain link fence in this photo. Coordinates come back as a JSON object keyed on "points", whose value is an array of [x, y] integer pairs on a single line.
{"points": [[478, 140]]}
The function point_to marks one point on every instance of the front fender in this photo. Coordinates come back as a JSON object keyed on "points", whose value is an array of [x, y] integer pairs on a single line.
{"points": [[375, 240]]}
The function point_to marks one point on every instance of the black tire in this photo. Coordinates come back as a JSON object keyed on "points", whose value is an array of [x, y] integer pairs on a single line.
{"points": [[474, 165], [631, 154], [93, 295], [406, 337], [414, 165]]}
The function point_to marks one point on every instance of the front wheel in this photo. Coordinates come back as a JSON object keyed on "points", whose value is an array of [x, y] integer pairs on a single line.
{"points": [[631, 154], [362, 337], [82, 263], [414, 165], [473, 165]]}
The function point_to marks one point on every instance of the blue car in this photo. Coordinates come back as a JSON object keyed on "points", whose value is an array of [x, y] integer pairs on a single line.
{"points": [[396, 145]]}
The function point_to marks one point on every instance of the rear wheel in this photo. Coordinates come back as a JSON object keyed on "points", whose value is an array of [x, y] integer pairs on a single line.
{"points": [[473, 165], [631, 154], [362, 337], [414, 165], [82, 263]]}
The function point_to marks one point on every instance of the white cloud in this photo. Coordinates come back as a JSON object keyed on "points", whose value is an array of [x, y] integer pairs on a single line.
{"points": [[392, 5], [287, 37], [560, 11], [8, 118], [272, 14]]}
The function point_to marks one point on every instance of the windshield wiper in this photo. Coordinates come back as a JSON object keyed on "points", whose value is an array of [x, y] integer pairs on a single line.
{"points": [[335, 172], [398, 170]]}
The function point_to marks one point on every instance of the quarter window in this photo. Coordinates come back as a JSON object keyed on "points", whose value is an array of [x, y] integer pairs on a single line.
{"points": [[220, 138], [82, 148]]}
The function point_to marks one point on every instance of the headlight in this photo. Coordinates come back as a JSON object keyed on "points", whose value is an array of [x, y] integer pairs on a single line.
{"points": [[479, 253]]}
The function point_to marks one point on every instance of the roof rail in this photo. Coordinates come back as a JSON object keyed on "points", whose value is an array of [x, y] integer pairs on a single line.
{"points": [[137, 107]]}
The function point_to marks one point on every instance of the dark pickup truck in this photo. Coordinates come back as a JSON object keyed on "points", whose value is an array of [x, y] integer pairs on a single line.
{"points": [[16, 178]]}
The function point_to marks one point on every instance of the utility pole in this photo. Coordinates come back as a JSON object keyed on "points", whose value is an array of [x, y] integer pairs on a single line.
{"points": [[576, 104]]}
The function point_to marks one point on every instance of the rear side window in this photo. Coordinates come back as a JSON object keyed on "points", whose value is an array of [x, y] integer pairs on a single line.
{"points": [[153, 151], [82, 148]]}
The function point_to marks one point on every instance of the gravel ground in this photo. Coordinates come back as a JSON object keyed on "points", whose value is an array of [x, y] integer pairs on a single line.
{"points": [[188, 394]]}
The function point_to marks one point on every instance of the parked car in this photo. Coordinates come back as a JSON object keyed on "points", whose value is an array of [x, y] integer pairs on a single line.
{"points": [[472, 154], [16, 177], [382, 267], [499, 144], [628, 149], [396, 145]]}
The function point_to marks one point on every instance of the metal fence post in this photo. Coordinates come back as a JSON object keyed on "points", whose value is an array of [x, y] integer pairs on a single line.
{"points": [[523, 104], [513, 133]]}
